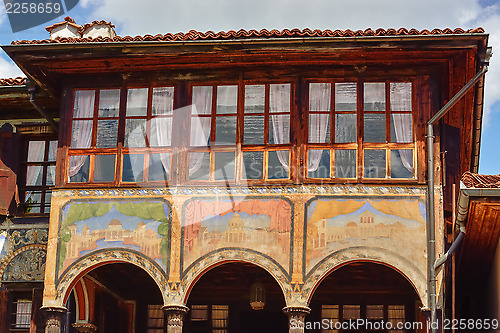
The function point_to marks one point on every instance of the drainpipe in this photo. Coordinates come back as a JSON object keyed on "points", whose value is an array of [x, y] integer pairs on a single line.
{"points": [[431, 230], [50, 120]]}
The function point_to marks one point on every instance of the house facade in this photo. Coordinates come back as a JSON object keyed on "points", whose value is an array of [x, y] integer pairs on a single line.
{"points": [[245, 181]]}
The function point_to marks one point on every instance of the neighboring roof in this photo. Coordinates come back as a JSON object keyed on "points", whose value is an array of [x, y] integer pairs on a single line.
{"points": [[474, 180], [252, 34], [18, 81], [67, 20]]}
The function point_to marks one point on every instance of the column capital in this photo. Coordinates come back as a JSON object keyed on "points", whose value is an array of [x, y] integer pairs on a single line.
{"points": [[175, 308], [85, 327], [175, 317], [54, 309], [53, 318]]}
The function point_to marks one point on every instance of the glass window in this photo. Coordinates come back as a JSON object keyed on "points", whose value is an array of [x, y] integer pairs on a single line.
{"points": [[21, 316]]}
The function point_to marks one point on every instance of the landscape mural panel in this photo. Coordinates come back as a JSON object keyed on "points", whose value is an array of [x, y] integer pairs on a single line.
{"points": [[262, 225], [396, 225], [138, 225]]}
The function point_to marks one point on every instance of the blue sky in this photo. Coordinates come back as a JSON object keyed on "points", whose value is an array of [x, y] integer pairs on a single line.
{"points": [[163, 16]]}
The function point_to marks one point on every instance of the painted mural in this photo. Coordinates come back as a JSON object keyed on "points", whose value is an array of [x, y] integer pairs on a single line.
{"points": [[396, 225], [138, 225], [257, 224]]}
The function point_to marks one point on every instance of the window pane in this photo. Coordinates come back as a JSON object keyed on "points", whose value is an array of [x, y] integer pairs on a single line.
{"points": [[253, 165], [319, 128], [374, 312], [84, 104], [163, 101], [318, 165], [224, 165], [253, 130], [81, 134], [48, 198], [159, 166], [107, 132], [400, 96], [109, 103], [255, 98], [320, 96], [135, 133], [79, 168], [133, 168], [36, 151], [104, 170], [279, 129], [374, 97], [345, 96], [401, 128], [401, 163], [52, 150], [227, 99], [23, 313], [200, 131], [33, 200], [199, 312], [161, 132], [278, 164], [345, 128], [137, 102], [199, 166], [34, 175], [51, 175], [279, 96], [225, 130], [374, 127], [374, 163], [202, 100], [345, 163], [351, 312]]}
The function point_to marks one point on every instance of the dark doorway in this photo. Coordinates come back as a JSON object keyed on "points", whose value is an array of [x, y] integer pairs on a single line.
{"points": [[220, 302]]}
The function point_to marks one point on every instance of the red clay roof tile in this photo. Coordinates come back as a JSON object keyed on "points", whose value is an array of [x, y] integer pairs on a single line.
{"points": [[18, 81], [474, 180], [244, 34], [88, 25], [67, 20]]}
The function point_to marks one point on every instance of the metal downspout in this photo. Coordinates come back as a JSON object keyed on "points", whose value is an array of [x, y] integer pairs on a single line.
{"points": [[431, 230]]}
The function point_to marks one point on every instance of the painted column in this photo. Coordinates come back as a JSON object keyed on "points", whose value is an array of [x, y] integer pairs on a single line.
{"points": [[53, 320], [175, 317], [296, 318]]}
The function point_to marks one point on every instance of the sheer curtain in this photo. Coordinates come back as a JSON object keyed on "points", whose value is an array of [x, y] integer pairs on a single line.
{"points": [[200, 126], [319, 100], [280, 102], [81, 135], [36, 150], [161, 127], [402, 122]]}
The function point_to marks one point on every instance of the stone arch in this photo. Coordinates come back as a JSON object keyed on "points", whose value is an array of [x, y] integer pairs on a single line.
{"points": [[410, 271], [26, 264], [90, 261], [211, 260]]}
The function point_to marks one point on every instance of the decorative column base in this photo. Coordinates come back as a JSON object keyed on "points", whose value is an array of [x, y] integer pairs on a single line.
{"points": [[85, 327], [175, 317], [53, 319], [296, 318]]}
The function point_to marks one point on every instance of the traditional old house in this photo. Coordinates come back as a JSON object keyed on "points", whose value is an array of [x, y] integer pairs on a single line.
{"points": [[206, 182]]}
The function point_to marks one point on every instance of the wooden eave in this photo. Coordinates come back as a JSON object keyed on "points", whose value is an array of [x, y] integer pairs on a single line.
{"points": [[15, 104], [482, 235]]}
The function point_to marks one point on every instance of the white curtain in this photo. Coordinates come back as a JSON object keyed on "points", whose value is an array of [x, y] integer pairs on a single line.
{"points": [[280, 102], [200, 126], [36, 151], [81, 136], [319, 100], [403, 130], [161, 127]]}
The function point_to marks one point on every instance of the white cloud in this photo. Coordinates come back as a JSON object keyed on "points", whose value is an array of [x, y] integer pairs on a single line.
{"points": [[9, 69]]}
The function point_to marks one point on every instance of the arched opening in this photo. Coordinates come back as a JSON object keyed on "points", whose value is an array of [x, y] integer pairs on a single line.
{"points": [[373, 297], [117, 297], [220, 301]]}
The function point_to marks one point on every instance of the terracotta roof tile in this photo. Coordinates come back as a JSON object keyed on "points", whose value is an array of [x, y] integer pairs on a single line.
{"points": [[262, 34], [474, 180], [18, 81], [88, 25], [67, 20]]}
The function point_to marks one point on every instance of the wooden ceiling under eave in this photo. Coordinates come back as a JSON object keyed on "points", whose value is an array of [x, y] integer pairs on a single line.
{"points": [[15, 104], [481, 238]]}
